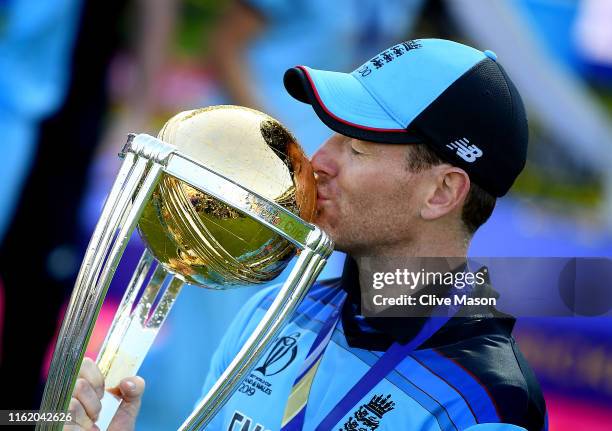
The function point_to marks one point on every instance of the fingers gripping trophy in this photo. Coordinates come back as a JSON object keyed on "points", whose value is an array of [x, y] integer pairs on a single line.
{"points": [[222, 198]]}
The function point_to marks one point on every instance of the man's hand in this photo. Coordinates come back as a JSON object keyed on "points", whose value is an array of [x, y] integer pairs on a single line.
{"points": [[85, 403]]}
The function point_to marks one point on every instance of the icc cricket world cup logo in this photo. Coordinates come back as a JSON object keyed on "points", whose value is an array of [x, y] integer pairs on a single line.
{"points": [[281, 355]]}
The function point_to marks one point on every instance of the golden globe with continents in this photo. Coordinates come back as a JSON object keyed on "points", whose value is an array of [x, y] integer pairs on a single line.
{"points": [[205, 241]]}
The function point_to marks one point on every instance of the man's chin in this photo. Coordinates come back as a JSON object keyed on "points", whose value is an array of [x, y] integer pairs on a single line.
{"points": [[322, 223], [333, 234]]}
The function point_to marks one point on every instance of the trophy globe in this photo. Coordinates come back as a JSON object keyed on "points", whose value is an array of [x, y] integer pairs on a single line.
{"points": [[207, 242]]}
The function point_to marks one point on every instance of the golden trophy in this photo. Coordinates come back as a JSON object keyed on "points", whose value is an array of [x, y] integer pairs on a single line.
{"points": [[222, 198]]}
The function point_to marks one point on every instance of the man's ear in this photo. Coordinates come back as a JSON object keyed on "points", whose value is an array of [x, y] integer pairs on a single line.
{"points": [[448, 189]]}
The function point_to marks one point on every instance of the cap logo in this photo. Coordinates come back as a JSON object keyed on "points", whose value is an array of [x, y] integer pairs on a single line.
{"points": [[467, 152], [387, 56]]}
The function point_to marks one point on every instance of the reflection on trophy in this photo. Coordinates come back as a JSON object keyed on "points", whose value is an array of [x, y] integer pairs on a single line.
{"points": [[222, 199]]}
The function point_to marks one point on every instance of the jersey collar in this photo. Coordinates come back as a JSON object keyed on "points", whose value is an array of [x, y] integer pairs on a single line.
{"points": [[379, 333]]}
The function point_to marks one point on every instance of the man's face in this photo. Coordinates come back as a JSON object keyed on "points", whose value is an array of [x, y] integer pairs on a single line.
{"points": [[367, 197]]}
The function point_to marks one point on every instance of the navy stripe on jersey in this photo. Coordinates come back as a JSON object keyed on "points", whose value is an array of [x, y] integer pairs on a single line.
{"points": [[457, 406], [476, 396]]}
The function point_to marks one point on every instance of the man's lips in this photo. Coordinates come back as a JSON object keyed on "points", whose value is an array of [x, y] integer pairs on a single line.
{"points": [[321, 195], [323, 199]]}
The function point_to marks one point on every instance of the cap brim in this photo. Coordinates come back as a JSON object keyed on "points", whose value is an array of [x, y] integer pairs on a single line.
{"points": [[345, 106]]}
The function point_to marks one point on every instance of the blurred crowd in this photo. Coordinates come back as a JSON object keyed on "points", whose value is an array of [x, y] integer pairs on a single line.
{"points": [[78, 75]]}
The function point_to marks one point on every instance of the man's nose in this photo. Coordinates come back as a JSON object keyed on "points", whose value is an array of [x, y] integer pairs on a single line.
{"points": [[325, 160]]}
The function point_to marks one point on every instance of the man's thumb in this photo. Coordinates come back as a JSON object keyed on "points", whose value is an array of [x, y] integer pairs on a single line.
{"points": [[130, 390]]}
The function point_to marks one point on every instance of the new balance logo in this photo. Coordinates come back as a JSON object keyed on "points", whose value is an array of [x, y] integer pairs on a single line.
{"points": [[467, 152]]}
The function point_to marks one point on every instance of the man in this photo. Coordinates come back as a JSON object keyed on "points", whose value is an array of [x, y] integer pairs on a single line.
{"points": [[333, 368]]}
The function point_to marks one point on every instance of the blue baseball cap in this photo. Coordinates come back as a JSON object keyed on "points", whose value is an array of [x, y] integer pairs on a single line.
{"points": [[452, 97]]}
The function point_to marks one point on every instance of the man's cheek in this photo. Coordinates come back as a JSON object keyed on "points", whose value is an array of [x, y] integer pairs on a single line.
{"points": [[324, 216]]}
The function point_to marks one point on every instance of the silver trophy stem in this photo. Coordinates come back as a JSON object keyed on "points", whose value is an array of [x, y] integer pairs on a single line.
{"points": [[86, 301], [133, 331], [122, 316], [309, 265], [125, 314]]}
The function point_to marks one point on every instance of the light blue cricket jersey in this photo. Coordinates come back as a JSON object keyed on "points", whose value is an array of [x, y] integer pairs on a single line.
{"points": [[468, 375]]}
